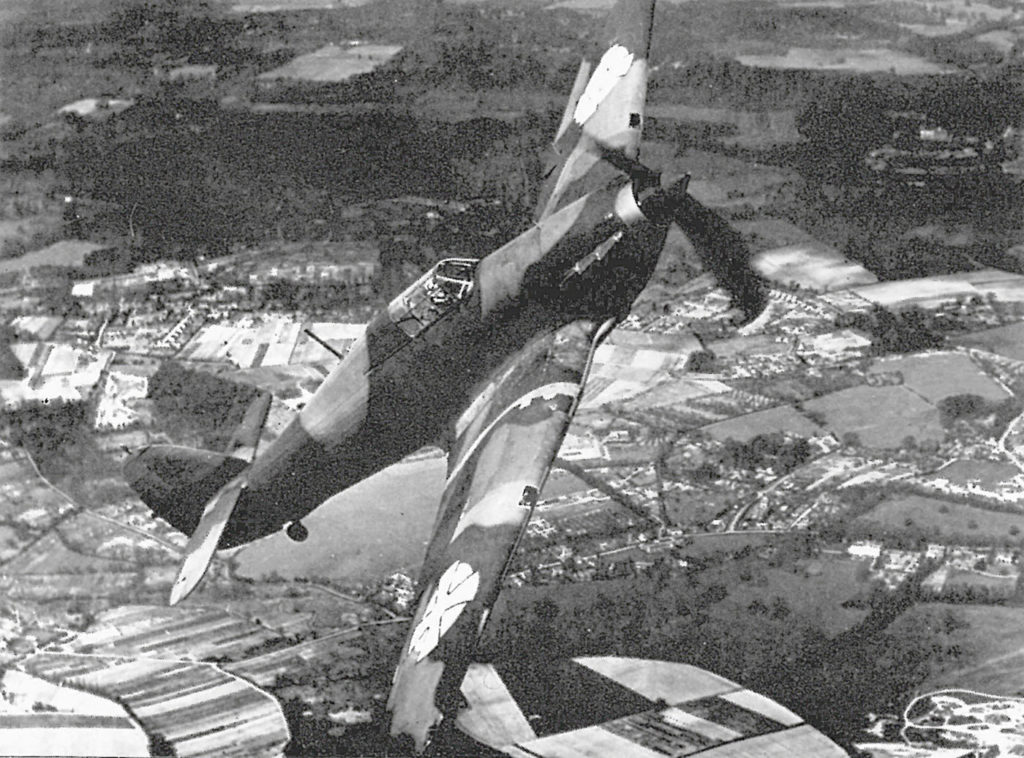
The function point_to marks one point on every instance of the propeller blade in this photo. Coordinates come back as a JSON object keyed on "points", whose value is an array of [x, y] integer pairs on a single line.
{"points": [[642, 176], [723, 252], [720, 247]]}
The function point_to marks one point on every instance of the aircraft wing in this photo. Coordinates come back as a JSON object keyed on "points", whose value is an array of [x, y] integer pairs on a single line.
{"points": [[504, 445], [605, 112]]}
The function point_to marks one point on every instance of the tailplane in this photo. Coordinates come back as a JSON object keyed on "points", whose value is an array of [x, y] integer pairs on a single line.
{"points": [[196, 491], [177, 482]]}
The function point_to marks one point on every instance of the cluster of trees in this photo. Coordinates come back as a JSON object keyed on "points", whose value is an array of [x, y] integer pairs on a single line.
{"points": [[480, 47], [977, 594], [10, 366], [193, 32], [190, 402], [904, 331], [291, 294], [46, 429], [772, 450], [854, 114], [969, 407], [185, 177]]}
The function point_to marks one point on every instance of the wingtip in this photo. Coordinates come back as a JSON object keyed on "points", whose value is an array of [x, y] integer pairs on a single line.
{"points": [[182, 588]]}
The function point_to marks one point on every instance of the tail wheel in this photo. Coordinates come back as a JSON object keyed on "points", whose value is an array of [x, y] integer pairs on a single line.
{"points": [[297, 532]]}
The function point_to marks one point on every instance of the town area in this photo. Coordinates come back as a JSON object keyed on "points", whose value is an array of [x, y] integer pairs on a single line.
{"points": [[208, 201]]}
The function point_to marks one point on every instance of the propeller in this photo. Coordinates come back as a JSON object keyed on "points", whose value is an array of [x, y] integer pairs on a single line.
{"points": [[720, 248], [723, 252]]}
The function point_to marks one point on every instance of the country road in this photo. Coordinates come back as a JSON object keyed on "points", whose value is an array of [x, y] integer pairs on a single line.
{"points": [[1011, 428]]}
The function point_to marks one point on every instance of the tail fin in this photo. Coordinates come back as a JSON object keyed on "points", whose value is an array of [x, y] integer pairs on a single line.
{"points": [[246, 438], [604, 114], [177, 482]]}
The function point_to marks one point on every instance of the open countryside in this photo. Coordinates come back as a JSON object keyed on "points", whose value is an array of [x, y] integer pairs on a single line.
{"points": [[802, 502]]}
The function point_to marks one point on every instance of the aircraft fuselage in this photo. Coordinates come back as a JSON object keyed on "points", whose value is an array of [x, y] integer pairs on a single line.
{"points": [[422, 360]]}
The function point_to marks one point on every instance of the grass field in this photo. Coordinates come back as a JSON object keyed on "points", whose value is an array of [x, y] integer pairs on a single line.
{"points": [[379, 526], [753, 128], [1006, 583], [782, 418], [990, 474], [880, 416], [1003, 340], [10, 543], [65, 253], [935, 377], [23, 230], [820, 595], [926, 512], [994, 639], [561, 482]]}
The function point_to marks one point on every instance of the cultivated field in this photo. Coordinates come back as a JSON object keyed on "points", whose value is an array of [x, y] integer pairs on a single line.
{"points": [[621, 372], [935, 377], [858, 59], [1004, 285], [947, 519], [926, 291], [753, 129], [812, 266], [677, 393], [50, 556], [379, 526], [880, 416], [782, 418], [334, 64], [931, 291], [278, 6]]}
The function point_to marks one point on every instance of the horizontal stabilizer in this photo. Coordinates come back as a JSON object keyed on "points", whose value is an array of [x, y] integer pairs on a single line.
{"points": [[203, 543]]}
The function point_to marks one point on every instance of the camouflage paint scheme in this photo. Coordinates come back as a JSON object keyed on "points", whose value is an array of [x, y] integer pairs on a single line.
{"points": [[486, 358]]}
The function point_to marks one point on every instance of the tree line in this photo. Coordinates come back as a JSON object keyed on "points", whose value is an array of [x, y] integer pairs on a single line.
{"points": [[198, 403]]}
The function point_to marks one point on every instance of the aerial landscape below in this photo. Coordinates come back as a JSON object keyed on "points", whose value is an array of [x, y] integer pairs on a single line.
{"points": [[734, 506]]}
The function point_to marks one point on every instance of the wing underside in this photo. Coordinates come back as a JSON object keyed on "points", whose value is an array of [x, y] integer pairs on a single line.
{"points": [[504, 446]]}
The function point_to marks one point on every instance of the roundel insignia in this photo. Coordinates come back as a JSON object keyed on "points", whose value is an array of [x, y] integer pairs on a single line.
{"points": [[613, 66], [456, 588]]}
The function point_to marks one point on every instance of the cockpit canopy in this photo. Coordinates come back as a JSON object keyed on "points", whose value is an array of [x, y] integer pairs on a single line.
{"points": [[433, 295]]}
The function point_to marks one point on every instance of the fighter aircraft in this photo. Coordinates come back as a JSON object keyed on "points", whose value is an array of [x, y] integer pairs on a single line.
{"points": [[486, 358]]}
